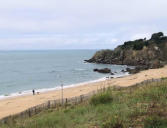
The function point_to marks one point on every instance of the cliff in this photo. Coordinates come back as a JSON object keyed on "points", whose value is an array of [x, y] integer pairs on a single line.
{"points": [[150, 53]]}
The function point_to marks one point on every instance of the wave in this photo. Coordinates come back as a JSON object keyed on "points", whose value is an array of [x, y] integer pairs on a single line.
{"points": [[120, 75], [29, 92], [79, 69]]}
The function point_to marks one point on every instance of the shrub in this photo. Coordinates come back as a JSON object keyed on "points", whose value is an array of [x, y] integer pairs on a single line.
{"points": [[110, 125], [135, 45], [157, 36], [113, 123], [155, 122], [101, 98], [138, 46], [164, 78]]}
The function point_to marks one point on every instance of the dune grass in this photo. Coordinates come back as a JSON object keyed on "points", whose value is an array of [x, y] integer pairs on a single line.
{"points": [[144, 106]]}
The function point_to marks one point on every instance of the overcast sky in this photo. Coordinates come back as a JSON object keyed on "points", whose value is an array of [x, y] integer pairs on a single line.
{"points": [[78, 24]]}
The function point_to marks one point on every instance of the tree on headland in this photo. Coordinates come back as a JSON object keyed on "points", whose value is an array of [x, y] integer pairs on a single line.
{"points": [[157, 36]]}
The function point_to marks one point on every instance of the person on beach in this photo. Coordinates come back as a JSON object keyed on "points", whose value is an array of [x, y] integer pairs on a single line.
{"points": [[33, 91]]}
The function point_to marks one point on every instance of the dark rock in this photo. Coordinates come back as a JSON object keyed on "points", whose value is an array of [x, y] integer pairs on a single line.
{"points": [[95, 70], [89, 61], [132, 71], [156, 64], [112, 73], [137, 69], [105, 70], [123, 70]]}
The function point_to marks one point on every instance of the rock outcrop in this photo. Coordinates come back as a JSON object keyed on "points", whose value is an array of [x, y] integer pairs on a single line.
{"points": [[141, 53], [105, 70]]}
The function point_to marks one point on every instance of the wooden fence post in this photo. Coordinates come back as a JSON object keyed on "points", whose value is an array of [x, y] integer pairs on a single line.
{"points": [[48, 104], [81, 97], [29, 113], [66, 100], [75, 100]]}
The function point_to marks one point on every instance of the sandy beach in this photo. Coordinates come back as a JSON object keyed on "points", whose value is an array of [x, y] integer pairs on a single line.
{"points": [[17, 104]]}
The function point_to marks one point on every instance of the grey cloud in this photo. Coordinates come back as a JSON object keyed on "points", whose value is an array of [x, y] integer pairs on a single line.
{"points": [[102, 22]]}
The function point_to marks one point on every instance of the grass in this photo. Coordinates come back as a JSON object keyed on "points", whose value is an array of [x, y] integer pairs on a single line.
{"points": [[102, 98], [136, 107]]}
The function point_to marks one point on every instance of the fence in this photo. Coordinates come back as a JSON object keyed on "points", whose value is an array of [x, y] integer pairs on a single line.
{"points": [[48, 105], [57, 103]]}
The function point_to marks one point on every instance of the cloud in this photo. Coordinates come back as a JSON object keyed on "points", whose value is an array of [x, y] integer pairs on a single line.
{"points": [[57, 42], [85, 23]]}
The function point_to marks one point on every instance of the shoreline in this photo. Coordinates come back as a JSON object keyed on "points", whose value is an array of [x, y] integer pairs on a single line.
{"points": [[18, 104], [45, 90]]}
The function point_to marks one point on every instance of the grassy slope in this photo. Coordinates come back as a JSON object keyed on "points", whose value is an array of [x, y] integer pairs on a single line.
{"points": [[136, 107]]}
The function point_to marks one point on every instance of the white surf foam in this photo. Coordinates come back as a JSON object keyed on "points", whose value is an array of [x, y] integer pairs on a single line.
{"points": [[29, 92]]}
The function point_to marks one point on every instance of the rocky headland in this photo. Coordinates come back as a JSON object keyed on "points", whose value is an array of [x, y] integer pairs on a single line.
{"points": [[141, 53]]}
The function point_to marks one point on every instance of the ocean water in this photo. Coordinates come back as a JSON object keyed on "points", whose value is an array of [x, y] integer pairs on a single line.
{"points": [[22, 71]]}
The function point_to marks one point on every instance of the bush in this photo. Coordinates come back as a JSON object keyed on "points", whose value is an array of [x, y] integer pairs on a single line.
{"points": [[157, 36], [155, 122], [164, 78], [138, 46], [101, 98], [112, 125], [135, 45]]}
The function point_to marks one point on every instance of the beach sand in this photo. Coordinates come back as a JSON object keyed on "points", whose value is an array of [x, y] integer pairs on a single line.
{"points": [[15, 105]]}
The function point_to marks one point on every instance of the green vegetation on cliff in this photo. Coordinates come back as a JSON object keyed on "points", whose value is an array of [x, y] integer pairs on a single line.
{"points": [[156, 38], [148, 53], [142, 106]]}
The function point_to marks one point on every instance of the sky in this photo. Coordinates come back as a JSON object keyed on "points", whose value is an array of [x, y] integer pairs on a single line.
{"points": [[78, 24]]}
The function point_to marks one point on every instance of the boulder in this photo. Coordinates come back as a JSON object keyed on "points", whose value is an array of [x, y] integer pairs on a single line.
{"points": [[123, 70], [105, 70], [112, 73], [95, 70], [132, 71], [137, 69], [156, 64]]}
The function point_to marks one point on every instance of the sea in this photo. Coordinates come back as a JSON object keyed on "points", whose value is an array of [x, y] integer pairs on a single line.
{"points": [[23, 71]]}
